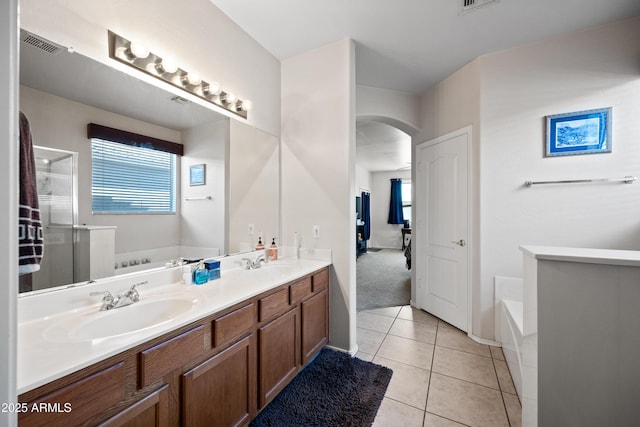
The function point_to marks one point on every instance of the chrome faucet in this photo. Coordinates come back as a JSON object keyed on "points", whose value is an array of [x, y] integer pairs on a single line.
{"points": [[123, 299], [256, 263]]}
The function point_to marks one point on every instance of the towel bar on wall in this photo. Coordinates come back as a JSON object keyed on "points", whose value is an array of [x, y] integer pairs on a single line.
{"points": [[627, 180], [188, 199]]}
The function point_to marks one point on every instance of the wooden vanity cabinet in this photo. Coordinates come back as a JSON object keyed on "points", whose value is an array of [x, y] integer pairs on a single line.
{"points": [[218, 371], [221, 390], [315, 325], [151, 411], [279, 354]]}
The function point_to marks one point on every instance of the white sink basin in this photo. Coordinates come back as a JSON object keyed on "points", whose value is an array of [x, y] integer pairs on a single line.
{"points": [[91, 325]]}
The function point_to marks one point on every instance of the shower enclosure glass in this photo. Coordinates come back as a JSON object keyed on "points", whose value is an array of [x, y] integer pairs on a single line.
{"points": [[57, 176]]}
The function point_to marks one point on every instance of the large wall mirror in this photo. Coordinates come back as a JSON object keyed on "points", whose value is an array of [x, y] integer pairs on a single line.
{"points": [[60, 93]]}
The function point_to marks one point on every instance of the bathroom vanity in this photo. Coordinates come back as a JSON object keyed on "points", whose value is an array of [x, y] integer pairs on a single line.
{"points": [[218, 364]]}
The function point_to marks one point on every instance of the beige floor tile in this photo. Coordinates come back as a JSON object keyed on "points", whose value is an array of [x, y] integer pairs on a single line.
{"points": [[364, 356], [496, 353], [386, 311], [374, 322], [408, 384], [410, 352], [396, 414], [465, 402], [504, 376], [456, 339], [431, 420], [465, 366], [414, 330], [369, 341], [514, 410], [417, 315]]}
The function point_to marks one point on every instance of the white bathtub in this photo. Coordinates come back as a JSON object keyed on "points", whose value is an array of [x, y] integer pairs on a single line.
{"points": [[512, 318]]}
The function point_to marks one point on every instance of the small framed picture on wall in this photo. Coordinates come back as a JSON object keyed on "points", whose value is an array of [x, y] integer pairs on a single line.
{"points": [[581, 132], [197, 175]]}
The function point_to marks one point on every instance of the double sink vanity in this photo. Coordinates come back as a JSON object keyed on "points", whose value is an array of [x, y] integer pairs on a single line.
{"points": [[210, 355]]}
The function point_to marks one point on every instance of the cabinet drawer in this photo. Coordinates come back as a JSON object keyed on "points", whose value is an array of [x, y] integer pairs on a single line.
{"points": [[232, 326], [163, 358], [273, 304], [80, 401], [321, 280], [149, 411], [300, 290]]}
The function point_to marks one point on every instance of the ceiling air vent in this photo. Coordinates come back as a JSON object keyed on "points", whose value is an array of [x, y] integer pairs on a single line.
{"points": [[469, 5], [39, 42]]}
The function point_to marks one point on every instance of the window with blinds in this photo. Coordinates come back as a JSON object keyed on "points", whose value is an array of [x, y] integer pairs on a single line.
{"points": [[126, 179]]}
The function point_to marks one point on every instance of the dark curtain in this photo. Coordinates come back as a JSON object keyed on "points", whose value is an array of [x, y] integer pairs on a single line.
{"points": [[395, 204], [366, 215]]}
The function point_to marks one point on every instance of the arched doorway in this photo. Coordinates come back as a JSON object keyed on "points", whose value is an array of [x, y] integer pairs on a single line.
{"points": [[383, 152]]}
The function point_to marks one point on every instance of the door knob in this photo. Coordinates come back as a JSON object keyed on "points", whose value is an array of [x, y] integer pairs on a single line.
{"points": [[460, 242]]}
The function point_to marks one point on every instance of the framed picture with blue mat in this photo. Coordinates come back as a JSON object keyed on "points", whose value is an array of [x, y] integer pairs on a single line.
{"points": [[580, 132]]}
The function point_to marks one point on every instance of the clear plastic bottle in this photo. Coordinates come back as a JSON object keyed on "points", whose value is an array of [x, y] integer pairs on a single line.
{"points": [[201, 274]]}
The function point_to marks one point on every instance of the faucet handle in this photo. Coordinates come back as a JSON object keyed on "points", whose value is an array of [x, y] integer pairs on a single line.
{"points": [[248, 263], [133, 287], [107, 294], [107, 301]]}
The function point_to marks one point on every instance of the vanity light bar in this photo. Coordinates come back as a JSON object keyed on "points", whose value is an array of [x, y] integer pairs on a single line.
{"points": [[137, 56]]}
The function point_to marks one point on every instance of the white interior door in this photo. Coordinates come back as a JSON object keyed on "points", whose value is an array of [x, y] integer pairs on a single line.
{"points": [[442, 250]]}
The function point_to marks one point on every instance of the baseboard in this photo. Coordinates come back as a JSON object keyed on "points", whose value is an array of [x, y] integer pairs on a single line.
{"points": [[470, 335], [484, 341], [351, 352]]}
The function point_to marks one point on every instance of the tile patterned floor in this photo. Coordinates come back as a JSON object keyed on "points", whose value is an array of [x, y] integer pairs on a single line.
{"points": [[441, 377]]}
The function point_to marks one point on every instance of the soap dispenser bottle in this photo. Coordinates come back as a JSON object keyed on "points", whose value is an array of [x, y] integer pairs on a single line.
{"points": [[260, 245], [201, 274], [273, 250]]}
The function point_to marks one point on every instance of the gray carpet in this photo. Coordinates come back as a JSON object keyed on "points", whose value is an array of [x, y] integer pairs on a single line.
{"points": [[382, 280]]}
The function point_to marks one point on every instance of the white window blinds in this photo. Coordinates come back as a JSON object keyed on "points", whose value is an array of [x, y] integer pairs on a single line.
{"points": [[129, 179]]}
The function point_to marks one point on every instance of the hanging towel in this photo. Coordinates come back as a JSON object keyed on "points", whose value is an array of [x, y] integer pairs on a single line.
{"points": [[30, 227]]}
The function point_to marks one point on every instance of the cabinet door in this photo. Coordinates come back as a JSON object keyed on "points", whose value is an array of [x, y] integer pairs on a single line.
{"points": [[152, 411], [221, 390], [79, 402], [279, 354], [315, 325]]}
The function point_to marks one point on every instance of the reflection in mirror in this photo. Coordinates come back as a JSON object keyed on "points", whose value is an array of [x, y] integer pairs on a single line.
{"points": [[61, 93]]}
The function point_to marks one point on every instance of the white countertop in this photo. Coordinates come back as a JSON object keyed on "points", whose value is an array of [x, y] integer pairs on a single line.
{"points": [[42, 359], [584, 255]]}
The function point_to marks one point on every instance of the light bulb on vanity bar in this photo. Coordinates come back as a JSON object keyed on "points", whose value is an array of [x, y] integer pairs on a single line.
{"points": [[228, 98], [191, 79], [166, 65], [137, 50], [245, 105], [211, 89]]}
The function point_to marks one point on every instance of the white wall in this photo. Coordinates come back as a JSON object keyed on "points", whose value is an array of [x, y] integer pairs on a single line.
{"points": [[194, 32], [505, 97], [398, 109], [585, 70], [61, 123], [384, 235], [453, 104], [202, 222], [8, 199], [363, 180], [254, 187], [318, 168]]}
